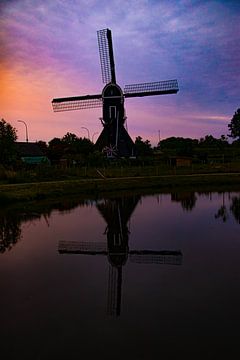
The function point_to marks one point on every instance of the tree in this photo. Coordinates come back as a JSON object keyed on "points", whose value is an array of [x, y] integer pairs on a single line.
{"points": [[43, 146], [234, 125], [75, 145], [8, 136], [69, 138], [143, 147], [55, 149], [179, 146]]}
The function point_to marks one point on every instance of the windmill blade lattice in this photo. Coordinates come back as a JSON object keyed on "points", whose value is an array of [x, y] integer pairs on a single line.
{"points": [[77, 103], [106, 56], [152, 88], [82, 247], [156, 257]]}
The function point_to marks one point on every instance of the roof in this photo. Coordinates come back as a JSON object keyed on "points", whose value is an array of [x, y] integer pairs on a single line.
{"points": [[28, 149]]}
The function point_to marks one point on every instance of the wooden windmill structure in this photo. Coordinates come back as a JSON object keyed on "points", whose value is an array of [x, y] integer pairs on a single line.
{"points": [[114, 139], [117, 213]]}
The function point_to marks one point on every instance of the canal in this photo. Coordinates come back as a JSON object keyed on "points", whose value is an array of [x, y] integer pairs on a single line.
{"points": [[123, 277]]}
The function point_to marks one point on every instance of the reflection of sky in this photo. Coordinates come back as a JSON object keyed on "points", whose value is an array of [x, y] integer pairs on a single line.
{"points": [[161, 222], [63, 297], [49, 49]]}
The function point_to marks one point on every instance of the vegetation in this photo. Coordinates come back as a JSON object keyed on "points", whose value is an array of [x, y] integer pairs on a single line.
{"points": [[8, 136], [143, 148], [75, 159], [234, 125], [94, 188]]}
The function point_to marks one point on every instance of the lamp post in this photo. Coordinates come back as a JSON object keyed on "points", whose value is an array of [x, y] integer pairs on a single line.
{"points": [[26, 129], [87, 131], [93, 135]]}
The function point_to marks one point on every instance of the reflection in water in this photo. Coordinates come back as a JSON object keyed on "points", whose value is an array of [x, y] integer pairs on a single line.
{"points": [[10, 227], [10, 231], [188, 202], [11, 220], [49, 298], [117, 213], [235, 208], [222, 212], [187, 199]]}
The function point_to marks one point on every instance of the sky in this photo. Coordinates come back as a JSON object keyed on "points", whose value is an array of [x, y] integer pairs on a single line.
{"points": [[49, 49]]}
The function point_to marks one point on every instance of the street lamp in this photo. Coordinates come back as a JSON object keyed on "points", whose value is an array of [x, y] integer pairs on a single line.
{"points": [[26, 129], [87, 131], [93, 135]]}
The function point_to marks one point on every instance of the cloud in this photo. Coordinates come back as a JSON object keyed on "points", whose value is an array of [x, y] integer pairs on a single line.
{"points": [[49, 48]]}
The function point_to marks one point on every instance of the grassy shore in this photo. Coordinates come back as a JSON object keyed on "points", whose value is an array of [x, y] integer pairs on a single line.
{"points": [[94, 187]]}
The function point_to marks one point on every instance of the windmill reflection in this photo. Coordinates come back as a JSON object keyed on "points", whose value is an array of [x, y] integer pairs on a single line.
{"points": [[117, 213]]}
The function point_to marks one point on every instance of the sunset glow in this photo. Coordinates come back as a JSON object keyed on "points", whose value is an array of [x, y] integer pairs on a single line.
{"points": [[49, 49]]}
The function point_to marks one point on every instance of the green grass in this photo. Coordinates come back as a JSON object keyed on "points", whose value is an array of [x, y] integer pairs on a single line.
{"points": [[92, 188], [52, 173]]}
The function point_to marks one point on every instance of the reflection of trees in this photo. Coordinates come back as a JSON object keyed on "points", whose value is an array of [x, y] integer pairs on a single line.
{"points": [[10, 231], [10, 227], [235, 208], [11, 219], [187, 199], [222, 211]]}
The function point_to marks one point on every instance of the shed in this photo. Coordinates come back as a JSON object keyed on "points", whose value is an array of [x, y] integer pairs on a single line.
{"points": [[180, 161], [30, 153]]}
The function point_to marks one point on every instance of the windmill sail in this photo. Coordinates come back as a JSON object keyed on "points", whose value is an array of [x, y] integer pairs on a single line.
{"points": [[106, 56], [82, 247], [156, 257], [152, 88], [77, 103]]}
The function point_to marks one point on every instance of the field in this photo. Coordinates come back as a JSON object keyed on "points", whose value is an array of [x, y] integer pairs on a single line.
{"points": [[144, 179]]}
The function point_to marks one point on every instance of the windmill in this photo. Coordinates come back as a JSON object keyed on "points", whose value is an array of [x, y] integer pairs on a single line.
{"points": [[117, 213], [114, 139]]}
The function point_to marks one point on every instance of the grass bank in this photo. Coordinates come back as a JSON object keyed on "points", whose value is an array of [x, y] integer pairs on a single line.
{"points": [[92, 188]]}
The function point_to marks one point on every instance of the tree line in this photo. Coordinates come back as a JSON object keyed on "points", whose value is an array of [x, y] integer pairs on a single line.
{"points": [[79, 150]]}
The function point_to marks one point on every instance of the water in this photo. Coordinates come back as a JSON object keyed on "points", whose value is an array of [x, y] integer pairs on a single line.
{"points": [[124, 277]]}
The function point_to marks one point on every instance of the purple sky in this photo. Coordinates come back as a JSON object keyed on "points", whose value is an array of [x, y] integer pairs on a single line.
{"points": [[49, 49]]}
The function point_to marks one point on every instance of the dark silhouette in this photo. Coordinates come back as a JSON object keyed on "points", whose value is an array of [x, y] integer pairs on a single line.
{"points": [[10, 226], [117, 212], [187, 199], [222, 212], [8, 136], [235, 208], [10, 231], [11, 219], [234, 125], [69, 147], [143, 148], [114, 139]]}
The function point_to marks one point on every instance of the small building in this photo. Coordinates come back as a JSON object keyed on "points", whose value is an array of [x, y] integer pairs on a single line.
{"points": [[180, 161], [30, 153]]}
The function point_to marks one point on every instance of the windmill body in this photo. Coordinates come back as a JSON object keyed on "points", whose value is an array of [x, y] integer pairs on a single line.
{"points": [[114, 139]]}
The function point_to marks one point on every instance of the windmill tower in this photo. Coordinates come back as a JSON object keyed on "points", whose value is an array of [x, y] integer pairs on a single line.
{"points": [[114, 139], [117, 213]]}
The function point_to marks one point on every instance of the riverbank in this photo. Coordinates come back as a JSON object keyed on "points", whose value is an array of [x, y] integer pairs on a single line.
{"points": [[95, 187]]}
